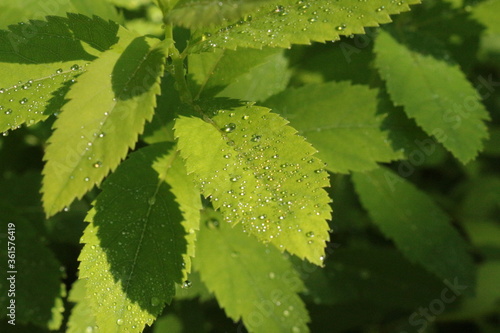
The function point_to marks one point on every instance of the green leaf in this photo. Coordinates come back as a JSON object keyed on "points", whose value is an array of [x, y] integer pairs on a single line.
{"points": [[196, 14], [186, 195], [341, 121], [160, 129], [257, 171], [418, 227], [168, 324], [486, 13], [433, 92], [13, 12], [301, 22], [250, 280], [81, 319], [131, 4], [35, 274], [37, 71], [485, 300], [107, 110], [245, 74], [196, 289], [213, 72], [373, 275], [134, 245]]}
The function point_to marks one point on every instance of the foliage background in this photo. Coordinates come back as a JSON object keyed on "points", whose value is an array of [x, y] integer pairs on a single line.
{"points": [[378, 276]]}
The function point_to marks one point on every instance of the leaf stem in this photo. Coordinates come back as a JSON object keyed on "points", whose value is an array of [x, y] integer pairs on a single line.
{"points": [[179, 74]]}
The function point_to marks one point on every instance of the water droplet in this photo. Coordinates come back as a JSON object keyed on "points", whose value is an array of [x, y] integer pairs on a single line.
{"points": [[97, 164], [341, 27], [9, 111], [286, 313], [75, 67], [272, 275], [255, 138], [379, 9], [230, 143], [59, 70], [66, 209], [229, 127], [119, 322], [2, 90], [310, 234], [86, 179], [155, 301], [152, 200], [6, 133], [186, 284], [102, 135], [23, 101]]}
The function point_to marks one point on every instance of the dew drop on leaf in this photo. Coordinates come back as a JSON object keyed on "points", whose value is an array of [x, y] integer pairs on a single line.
{"points": [[59, 70], [255, 138], [186, 284], [119, 322], [75, 67], [229, 127]]}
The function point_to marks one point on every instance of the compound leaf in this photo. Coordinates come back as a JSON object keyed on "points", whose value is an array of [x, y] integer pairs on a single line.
{"points": [[41, 59], [418, 227], [433, 92], [258, 172], [345, 127], [107, 110], [134, 244], [300, 22], [250, 280]]}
